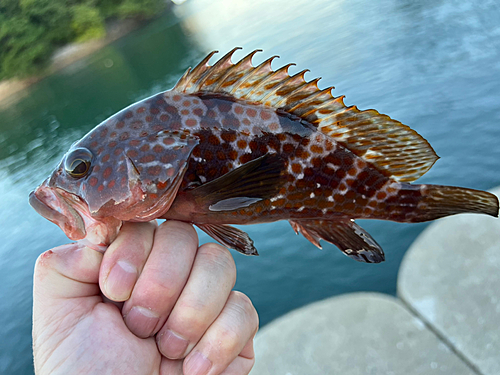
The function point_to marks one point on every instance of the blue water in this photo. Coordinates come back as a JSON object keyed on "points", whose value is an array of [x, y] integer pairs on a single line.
{"points": [[434, 65]]}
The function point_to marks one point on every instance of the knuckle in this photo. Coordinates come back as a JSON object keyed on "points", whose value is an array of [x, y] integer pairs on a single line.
{"points": [[229, 340], [41, 262], [218, 256], [159, 290], [246, 306], [156, 294], [191, 325], [179, 227]]}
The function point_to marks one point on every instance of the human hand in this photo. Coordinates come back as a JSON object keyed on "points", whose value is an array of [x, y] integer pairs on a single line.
{"points": [[179, 315]]}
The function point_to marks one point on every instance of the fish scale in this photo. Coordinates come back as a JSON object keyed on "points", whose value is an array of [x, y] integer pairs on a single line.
{"points": [[238, 144]]}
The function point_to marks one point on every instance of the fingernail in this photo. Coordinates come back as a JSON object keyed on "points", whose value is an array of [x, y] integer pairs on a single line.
{"points": [[121, 281], [197, 364], [173, 346], [141, 321]]}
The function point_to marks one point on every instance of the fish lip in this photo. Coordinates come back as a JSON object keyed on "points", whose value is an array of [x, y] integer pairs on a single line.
{"points": [[44, 199]]}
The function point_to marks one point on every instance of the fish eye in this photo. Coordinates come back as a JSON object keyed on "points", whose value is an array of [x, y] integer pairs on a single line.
{"points": [[77, 163]]}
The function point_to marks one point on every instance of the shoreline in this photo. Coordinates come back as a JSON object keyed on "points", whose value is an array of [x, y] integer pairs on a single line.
{"points": [[12, 90]]}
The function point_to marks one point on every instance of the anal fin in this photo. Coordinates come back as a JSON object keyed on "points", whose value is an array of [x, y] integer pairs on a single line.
{"points": [[348, 236], [230, 237]]}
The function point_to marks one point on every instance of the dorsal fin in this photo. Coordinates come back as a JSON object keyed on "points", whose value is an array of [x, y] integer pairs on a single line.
{"points": [[393, 148]]}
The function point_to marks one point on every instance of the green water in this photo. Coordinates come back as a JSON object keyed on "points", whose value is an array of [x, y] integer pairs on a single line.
{"points": [[433, 65]]}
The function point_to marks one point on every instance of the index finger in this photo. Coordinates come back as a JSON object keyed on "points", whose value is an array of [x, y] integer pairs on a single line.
{"points": [[124, 260]]}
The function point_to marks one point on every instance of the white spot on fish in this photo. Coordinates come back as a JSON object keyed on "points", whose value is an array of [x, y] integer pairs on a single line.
{"points": [[230, 204], [332, 166], [151, 188]]}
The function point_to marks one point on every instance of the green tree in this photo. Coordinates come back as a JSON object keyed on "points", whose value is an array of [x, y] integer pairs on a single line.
{"points": [[23, 50], [140, 8], [87, 22], [8, 7], [53, 15], [30, 30]]}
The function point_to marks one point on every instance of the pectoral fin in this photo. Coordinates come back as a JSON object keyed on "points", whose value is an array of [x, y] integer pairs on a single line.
{"points": [[253, 181], [230, 237], [348, 236]]}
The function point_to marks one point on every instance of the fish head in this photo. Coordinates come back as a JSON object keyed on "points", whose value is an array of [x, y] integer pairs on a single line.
{"points": [[117, 172]]}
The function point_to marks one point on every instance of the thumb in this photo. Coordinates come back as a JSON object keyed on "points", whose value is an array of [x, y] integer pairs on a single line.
{"points": [[68, 272]]}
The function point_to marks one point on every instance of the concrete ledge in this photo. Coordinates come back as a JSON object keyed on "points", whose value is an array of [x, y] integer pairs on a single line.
{"points": [[355, 334], [450, 277]]}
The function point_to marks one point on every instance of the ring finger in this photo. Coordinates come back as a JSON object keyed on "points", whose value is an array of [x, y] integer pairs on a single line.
{"points": [[203, 298]]}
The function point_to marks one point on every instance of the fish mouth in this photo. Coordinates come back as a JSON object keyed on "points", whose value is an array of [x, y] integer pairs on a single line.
{"points": [[52, 206], [71, 213]]}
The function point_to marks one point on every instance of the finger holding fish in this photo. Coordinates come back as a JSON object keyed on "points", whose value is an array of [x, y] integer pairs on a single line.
{"points": [[162, 279], [209, 285], [124, 260]]}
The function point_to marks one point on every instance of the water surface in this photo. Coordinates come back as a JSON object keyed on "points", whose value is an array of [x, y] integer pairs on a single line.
{"points": [[434, 65]]}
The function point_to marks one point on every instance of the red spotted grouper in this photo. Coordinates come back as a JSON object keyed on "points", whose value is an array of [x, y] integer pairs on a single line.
{"points": [[238, 144]]}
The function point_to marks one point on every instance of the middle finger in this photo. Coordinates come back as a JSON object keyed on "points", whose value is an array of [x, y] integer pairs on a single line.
{"points": [[162, 279]]}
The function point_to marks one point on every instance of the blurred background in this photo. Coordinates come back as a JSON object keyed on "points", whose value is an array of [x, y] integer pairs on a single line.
{"points": [[434, 65]]}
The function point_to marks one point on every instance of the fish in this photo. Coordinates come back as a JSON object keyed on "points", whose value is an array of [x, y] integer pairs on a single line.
{"points": [[233, 143]]}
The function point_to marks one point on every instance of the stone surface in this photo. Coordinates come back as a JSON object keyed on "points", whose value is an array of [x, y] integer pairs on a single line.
{"points": [[450, 277], [354, 334]]}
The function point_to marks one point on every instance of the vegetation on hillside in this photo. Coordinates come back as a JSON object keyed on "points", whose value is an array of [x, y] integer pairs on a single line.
{"points": [[30, 30]]}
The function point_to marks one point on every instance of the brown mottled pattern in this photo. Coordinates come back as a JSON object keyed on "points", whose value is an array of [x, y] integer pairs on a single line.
{"points": [[322, 179]]}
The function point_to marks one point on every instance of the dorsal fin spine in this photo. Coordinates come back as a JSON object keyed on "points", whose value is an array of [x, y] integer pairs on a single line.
{"points": [[269, 85], [324, 104], [184, 79], [212, 78], [265, 65], [240, 66], [202, 68], [313, 84], [210, 72], [299, 77], [235, 87], [300, 95], [343, 108], [278, 83], [222, 79]]}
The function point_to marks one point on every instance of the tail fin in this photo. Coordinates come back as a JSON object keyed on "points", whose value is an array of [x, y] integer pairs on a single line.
{"points": [[438, 201]]}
